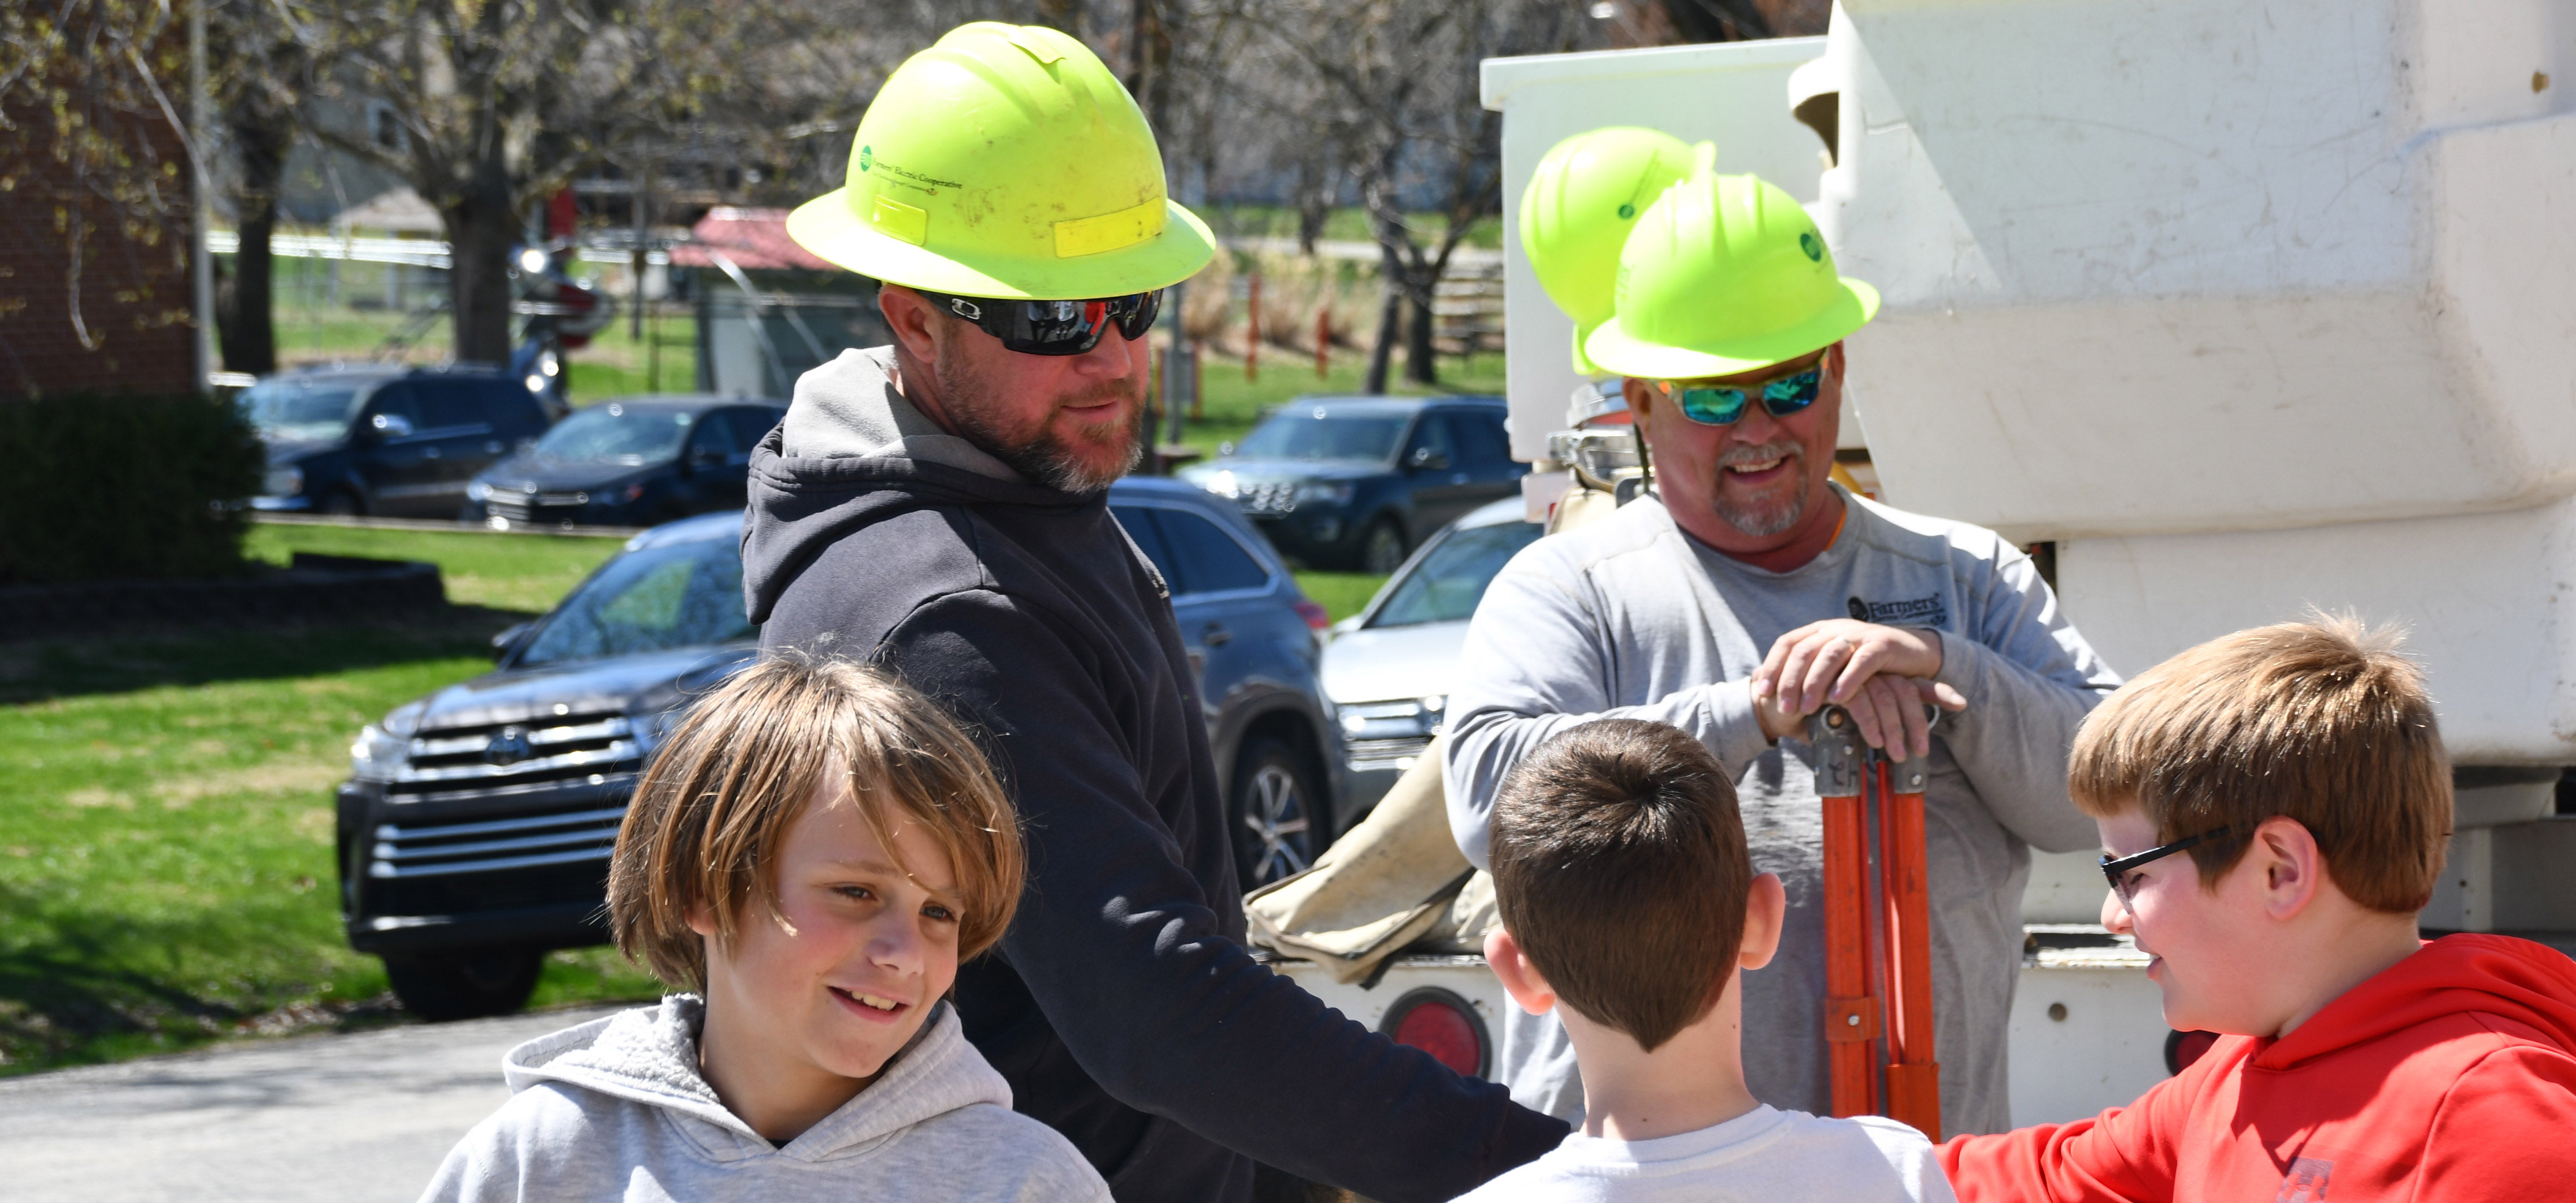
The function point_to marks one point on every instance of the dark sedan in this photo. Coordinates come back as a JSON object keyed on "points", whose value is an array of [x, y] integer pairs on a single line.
{"points": [[475, 829], [1357, 482], [383, 438], [633, 461]]}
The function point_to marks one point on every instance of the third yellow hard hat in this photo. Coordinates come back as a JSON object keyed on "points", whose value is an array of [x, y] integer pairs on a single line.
{"points": [[1725, 274], [1006, 161], [1585, 195]]}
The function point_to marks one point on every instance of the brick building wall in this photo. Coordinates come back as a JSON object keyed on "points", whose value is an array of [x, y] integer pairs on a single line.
{"points": [[129, 283]]}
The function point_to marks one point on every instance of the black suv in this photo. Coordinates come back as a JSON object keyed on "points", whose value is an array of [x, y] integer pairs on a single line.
{"points": [[632, 461], [384, 438], [475, 830], [1357, 482]]}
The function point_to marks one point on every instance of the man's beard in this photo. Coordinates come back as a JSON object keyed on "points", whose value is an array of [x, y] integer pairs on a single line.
{"points": [[1038, 454], [1771, 515]]}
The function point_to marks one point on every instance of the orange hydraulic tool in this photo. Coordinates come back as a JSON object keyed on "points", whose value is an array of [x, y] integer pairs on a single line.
{"points": [[1878, 936]]}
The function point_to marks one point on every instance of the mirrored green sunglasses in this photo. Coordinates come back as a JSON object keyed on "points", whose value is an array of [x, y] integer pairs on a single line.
{"points": [[1724, 404]]}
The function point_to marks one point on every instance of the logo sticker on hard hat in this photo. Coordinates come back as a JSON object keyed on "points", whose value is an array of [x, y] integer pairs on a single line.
{"points": [[1815, 250], [867, 157]]}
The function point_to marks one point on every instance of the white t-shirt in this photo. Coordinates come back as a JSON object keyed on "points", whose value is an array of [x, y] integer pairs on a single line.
{"points": [[1763, 1155]]}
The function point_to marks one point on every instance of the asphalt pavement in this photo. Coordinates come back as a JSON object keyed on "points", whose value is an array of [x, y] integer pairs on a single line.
{"points": [[343, 1119]]}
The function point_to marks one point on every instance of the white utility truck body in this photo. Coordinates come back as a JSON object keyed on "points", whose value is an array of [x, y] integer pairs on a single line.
{"points": [[2246, 306]]}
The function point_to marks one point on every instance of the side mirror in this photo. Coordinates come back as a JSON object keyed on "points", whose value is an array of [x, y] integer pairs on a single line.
{"points": [[1345, 626], [391, 426], [1429, 459], [510, 638]]}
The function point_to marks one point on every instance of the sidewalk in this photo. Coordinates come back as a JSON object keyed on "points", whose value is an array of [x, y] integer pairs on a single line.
{"points": [[348, 1119]]}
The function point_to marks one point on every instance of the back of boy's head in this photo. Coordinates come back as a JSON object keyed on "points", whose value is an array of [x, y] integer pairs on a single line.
{"points": [[2322, 721], [1620, 870], [713, 809]]}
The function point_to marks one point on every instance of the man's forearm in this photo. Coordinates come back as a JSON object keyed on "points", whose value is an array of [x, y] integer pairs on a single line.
{"points": [[2012, 742]]}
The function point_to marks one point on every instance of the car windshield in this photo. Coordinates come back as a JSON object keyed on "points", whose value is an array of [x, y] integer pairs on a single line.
{"points": [[1451, 578], [300, 409], [619, 433], [649, 600], [1314, 432]]}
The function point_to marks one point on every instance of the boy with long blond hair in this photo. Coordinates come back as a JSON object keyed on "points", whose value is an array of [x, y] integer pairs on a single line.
{"points": [[810, 856]]}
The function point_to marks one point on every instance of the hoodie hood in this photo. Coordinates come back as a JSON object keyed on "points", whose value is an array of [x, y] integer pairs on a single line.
{"points": [[650, 1056], [853, 452], [850, 409], [2527, 983]]}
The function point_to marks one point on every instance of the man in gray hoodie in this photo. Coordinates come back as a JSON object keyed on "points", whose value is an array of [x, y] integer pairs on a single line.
{"points": [[1664, 611]]}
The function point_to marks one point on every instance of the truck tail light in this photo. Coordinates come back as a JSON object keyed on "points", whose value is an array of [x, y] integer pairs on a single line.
{"points": [[1444, 1025]]}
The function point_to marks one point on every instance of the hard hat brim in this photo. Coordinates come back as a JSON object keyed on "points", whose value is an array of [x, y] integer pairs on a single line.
{"points": [[1616, 350], [827, 227]]}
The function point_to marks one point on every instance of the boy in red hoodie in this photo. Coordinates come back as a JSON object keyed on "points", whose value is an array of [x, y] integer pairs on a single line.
{"points": [[2299, 769]]}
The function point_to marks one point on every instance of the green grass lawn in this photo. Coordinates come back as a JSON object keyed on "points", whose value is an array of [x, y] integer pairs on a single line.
{"points": [[165, 806], [165, 810]]}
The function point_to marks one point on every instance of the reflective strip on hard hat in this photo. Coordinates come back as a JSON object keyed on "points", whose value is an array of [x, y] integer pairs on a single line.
{"points": [[1110, 231], [896, 219]]}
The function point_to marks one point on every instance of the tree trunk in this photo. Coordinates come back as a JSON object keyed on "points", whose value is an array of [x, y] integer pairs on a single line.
{"points": [[481, 228], [246, 326], [1420, 366], [1390, 327]]}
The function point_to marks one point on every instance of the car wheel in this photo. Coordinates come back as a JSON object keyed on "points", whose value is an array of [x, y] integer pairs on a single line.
{"points": [[341, 503], [1277, 812], [473, 984], [1382, 548]]}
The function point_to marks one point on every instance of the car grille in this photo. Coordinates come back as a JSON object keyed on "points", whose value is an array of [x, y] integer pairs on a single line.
{"points": [[1275, 497], [1398, 753], [558, 750], [586, 831]]}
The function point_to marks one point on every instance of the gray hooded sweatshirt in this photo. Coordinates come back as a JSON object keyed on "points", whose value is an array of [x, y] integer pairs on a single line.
{"points": [[616, 1109]]}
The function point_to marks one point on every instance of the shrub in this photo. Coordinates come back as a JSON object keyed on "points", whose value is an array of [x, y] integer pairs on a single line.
{"points": [[106, 487]]}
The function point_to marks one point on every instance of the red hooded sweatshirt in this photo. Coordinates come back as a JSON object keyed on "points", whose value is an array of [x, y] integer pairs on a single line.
{"points": [[2448, 1078]]}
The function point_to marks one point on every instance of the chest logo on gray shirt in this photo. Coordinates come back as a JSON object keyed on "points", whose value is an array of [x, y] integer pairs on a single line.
{"points": [[1912, 612]]}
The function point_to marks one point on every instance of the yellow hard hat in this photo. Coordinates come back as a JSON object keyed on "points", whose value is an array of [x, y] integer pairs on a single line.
{"points": [[1006, 161], [1725, 274], [1583, 198]]}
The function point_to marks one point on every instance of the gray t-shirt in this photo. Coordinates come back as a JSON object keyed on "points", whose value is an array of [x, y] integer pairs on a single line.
{"points": [[1631, 618], [1758, 1157]]}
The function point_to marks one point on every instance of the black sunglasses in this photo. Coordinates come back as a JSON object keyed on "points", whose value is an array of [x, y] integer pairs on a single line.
{"points": [[1055, 327], [2117, 871]]}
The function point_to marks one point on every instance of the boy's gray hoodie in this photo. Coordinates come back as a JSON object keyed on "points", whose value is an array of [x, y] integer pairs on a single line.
{"points": [[616, 1109]]}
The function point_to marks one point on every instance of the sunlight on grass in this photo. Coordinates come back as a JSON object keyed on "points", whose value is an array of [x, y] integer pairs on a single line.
{"points": [[166, 816]]}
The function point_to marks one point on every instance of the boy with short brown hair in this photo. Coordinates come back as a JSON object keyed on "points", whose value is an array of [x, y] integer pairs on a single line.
{"points": [[1629, 905], [813, 852], [2300, 768]]}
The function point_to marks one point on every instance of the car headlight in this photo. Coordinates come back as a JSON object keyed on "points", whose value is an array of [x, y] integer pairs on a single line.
{"points": [[476, 490], [283, 482], [1220, 482], [381, 749], [1409, 718], [1327, 491]]}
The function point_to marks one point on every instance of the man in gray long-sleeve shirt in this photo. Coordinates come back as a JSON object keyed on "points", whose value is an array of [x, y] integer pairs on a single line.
{"points": [[1744, 591]]}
